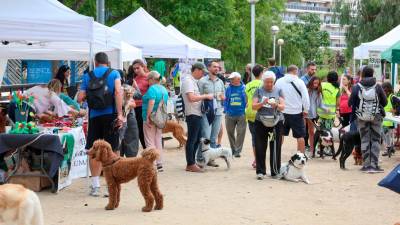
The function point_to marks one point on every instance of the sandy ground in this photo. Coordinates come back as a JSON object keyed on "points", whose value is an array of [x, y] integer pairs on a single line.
{"points": [[224, 197]]}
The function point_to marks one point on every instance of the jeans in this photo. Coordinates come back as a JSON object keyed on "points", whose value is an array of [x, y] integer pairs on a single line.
{"points": [[211, 131], [139, 119], [194, 127], [238, 124]]}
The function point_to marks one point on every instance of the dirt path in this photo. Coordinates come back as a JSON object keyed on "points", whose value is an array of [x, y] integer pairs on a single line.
{"points": [[221, 197]]}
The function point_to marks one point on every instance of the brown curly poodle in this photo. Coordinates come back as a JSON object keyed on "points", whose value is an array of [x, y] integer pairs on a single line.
{"points": [[119, 170]]}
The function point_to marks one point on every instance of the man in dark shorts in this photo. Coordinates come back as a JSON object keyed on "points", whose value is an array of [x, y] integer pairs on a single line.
{"points": [[105, 122], [297, 104]]}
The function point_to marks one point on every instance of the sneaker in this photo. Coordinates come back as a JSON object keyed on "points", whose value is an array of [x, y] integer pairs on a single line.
{"points": [[106, 194], [237, 155], [277, 177], [94, 191], [194, 169], [365, 169], [260, 176], [386, 153], [160, 168], [376, 169]]}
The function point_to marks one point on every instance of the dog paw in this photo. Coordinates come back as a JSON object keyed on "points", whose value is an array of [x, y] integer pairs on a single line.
{"points": [[109, 207], [146, 209]]}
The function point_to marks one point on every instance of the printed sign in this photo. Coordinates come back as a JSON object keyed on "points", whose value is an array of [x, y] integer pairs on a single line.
{"points": [[75, 162], [38, 71], [375, 62]]}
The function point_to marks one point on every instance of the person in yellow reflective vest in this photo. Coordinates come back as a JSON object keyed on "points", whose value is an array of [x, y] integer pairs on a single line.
{"points": [[330, 97], [388, 126]]}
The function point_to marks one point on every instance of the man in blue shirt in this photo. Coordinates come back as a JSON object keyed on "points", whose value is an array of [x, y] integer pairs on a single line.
{"points": [[105, 122], [311, 70]]}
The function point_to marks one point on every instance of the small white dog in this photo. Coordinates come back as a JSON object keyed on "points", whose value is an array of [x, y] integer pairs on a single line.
{"points": [[294, 169], [19, 205], [211, 154]]}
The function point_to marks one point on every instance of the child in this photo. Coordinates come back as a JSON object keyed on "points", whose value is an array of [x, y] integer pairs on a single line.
{"points": [[129, 133], [388, 126], [368, 99]]}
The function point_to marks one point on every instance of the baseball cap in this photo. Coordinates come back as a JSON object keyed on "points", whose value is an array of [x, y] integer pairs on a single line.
{"points": [[234, 75], [200, 66]]}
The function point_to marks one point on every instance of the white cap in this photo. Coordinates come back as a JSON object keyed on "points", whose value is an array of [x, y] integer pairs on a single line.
{"points": [[268, 74], [234, 74]]}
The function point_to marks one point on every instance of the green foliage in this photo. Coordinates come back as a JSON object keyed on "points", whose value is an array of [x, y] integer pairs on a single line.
{"points": [[307, 36], [367, 20]]}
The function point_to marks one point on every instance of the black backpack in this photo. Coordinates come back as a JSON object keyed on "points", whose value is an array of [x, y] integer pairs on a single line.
{"points": [[98, 95]]}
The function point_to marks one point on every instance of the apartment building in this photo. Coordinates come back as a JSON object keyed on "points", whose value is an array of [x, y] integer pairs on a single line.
{"points": [[325, 10]]}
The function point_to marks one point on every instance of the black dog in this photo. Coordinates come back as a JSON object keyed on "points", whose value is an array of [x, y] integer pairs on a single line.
{"points": [[324, 139], [348, 141]]}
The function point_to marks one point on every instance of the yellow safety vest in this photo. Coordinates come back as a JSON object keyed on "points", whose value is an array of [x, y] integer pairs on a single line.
{"points": [[388, 108], [329, 99], [177, 80]]}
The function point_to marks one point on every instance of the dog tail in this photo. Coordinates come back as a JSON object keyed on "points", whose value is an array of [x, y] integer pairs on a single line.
{"points": [[150, 154]]}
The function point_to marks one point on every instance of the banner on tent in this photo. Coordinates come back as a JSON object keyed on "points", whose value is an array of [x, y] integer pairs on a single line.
{"points": [[375, 62], [38, 71]]}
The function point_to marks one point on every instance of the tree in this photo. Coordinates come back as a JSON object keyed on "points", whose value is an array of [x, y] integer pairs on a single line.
{"points": [[366, 20], [307, 36]]}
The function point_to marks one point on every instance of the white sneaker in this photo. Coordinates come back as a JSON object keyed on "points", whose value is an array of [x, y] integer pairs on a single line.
{"points": [[260, 176], [94, 191]]}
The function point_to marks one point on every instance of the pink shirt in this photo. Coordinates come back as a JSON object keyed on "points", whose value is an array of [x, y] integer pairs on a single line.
{"points": [[143, 85]]}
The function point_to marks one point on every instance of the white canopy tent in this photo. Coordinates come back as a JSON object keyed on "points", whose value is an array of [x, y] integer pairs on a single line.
{"points": [[141, 30], [207, 52], [380, 44], [46, 29]]}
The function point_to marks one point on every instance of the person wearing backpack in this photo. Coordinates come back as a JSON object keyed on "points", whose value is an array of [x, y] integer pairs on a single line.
{"points": [[155, 96], [330, 101], [234, 108], [368, 100], [102, 90]]}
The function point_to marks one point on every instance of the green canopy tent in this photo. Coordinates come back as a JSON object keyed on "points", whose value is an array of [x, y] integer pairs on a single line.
{"points": [[392, 55]]}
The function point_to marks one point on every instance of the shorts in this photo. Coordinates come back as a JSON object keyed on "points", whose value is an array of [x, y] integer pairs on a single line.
{"points": [[101, 127], [296, 123]]}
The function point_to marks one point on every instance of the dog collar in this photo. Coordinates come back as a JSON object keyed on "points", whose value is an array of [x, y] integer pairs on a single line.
{"points": [[113, 161], [291, 163]]}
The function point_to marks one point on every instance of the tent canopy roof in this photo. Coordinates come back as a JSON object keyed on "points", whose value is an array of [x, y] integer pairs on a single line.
{"points": [[392, 54], [140, 29], [379, 44], [207, 51]]}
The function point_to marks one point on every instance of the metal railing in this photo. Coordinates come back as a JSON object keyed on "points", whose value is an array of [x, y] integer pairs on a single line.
{"points": [[307, 7]]}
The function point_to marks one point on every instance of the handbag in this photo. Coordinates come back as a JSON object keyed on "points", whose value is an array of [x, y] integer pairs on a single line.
{"points": [[160, 116], [392, 180], [270, 120]]}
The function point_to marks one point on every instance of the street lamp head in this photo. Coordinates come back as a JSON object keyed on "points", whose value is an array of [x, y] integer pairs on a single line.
{"points": [[253, 1], [281, 42], [274, 29]]}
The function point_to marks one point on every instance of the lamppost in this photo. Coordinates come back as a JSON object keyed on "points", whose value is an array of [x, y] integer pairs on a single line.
{"points": [[280, 43], [275, 31], [253, 31]]}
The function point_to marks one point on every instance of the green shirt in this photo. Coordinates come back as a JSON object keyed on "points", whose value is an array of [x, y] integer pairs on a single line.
{"points": [[160, 67], [251, 88]]}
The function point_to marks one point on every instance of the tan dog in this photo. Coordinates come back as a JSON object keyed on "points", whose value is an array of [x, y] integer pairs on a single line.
{"points": [[19, 205], [119, 170], [177, 131]]}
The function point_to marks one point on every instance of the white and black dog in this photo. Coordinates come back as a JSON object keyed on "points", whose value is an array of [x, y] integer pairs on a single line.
{"points": [[294, 169], [325, 139], [211, 154]]}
